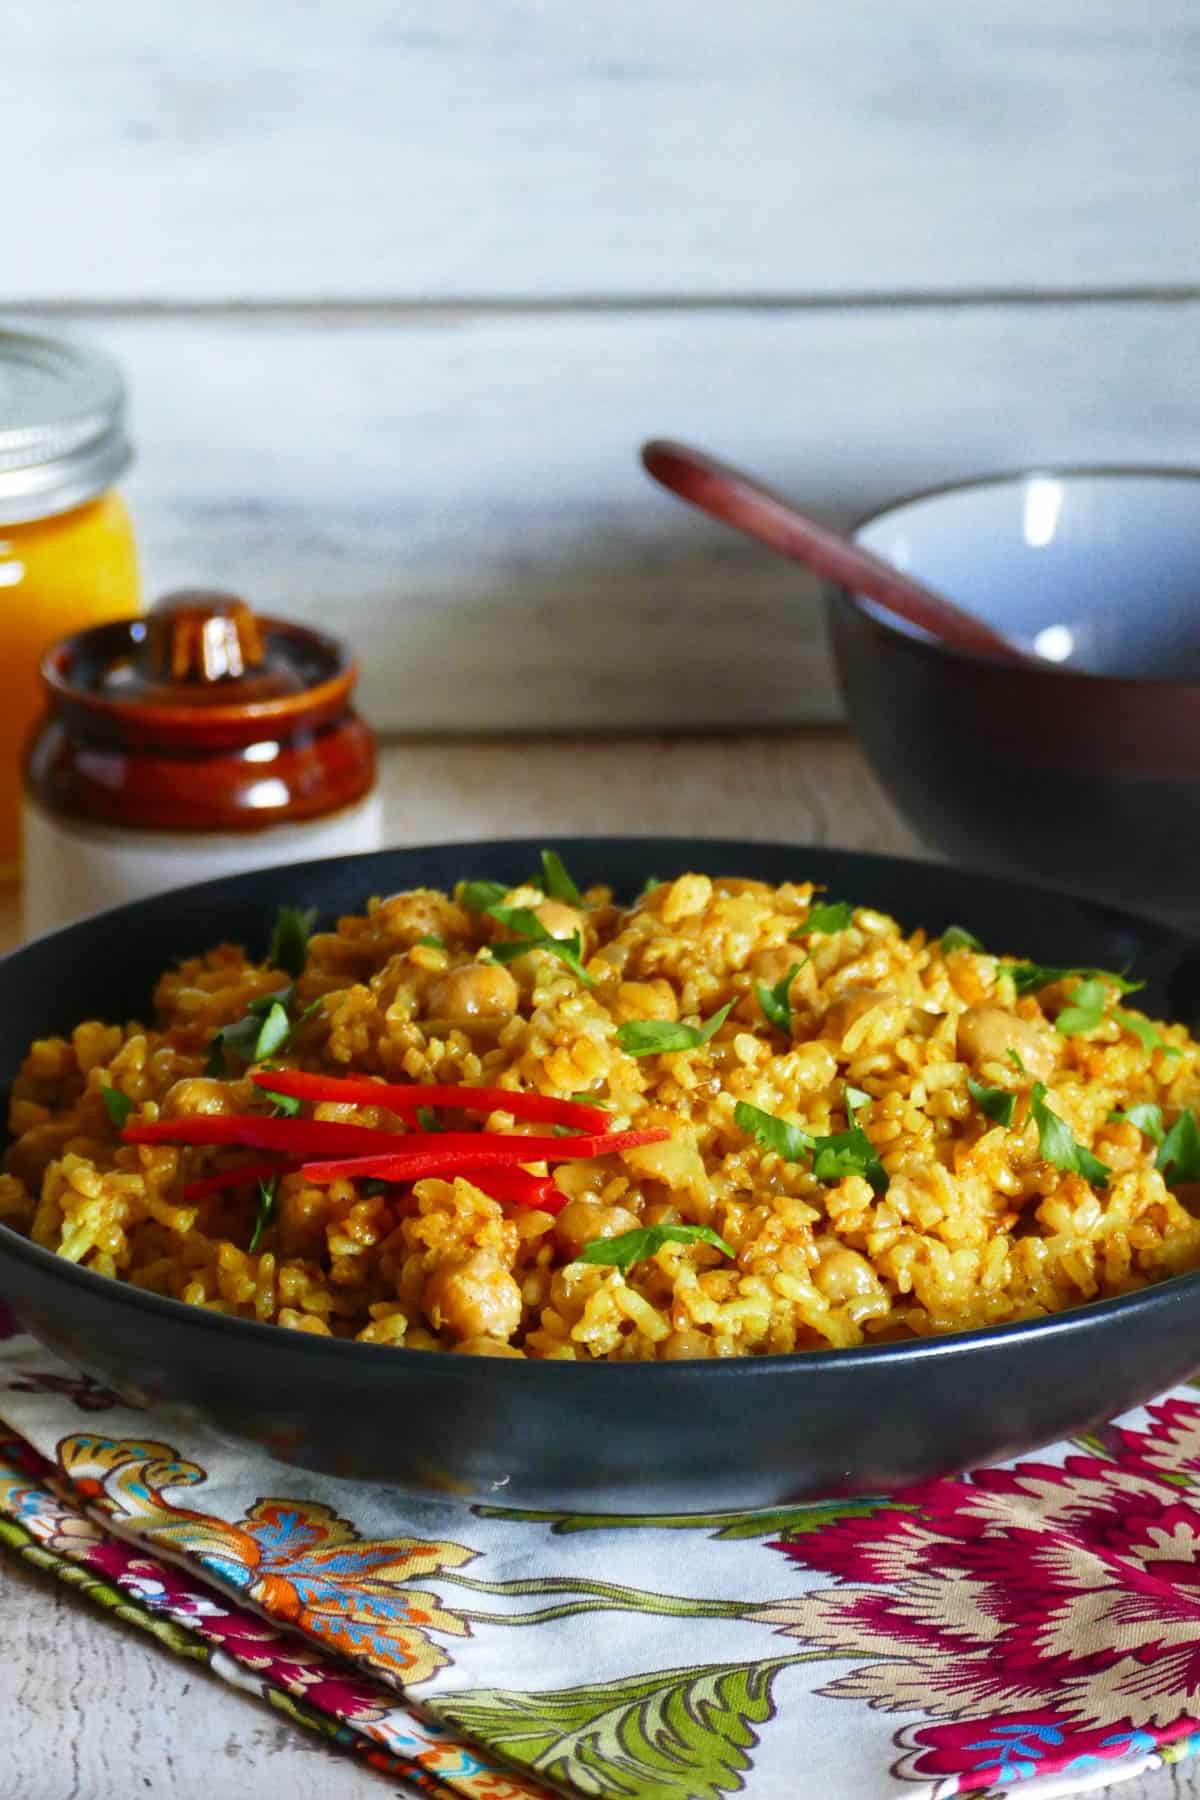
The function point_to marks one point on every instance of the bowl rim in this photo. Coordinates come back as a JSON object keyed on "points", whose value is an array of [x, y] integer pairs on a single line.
{"points": [[914, 1352], [1009, 478]]}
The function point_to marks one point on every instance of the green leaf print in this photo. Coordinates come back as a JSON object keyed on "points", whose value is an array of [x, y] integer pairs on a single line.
{"points": [[675, 1734], [783, 1521]]}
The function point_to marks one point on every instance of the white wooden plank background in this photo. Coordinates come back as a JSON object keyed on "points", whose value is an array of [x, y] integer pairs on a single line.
{"points": [[383, 148], [461, 494]]}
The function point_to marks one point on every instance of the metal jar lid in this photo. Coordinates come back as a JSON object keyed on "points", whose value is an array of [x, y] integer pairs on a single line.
{"points": [[62, 426]]}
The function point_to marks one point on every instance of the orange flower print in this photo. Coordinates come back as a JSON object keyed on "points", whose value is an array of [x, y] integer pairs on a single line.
{"points": [[297, 1560]]}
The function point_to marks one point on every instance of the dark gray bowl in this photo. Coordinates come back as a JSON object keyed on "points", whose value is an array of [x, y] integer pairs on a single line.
{"points": [[1082, 771], [651, 1437]]}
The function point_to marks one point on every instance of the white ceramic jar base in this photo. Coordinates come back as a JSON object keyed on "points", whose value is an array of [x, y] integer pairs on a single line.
{"points": [[73, 868]]}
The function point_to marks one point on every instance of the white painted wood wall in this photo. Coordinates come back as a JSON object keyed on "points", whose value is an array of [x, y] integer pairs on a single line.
{"points": [[400, 288]]}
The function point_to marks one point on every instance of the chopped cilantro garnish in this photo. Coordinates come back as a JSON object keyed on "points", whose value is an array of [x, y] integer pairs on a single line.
{"points": [[534, 936], [267, 1192], [427, 1119], [1146, 1115], [630, 1247], [773, 1134], [586, 1099], [1015, 1059], [431, 941], [997, 1102], [555, 881], [264, 1029], [1179, 1157], [776, 1005], [824, 920], [654, 1037], [119, 1106], [481, 896], [289, 939], [957, 937], [842, 1153], [1029, 977], [1144, 1031], [1059, 1147], [1088, 1005], [286, 1106], [648, 886]]}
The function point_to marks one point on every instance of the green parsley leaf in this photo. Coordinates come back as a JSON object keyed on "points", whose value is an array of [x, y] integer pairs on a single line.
{"points": [[1028, 977], [555, 881], [1088, 1004], [371, 1186], [648, 886], [630, 1247], [835, 915], [432, 941], [842, 1153], [586, 1099], [654, 1037], [1179, 1158], [1144, 1031], [481, 896], [773, 1134], [777, 1007], [427, 1119], [287, 1106], [119, 1106], [1015, 1059], [273, 1034], [957, 937], [1146, 1115], [267, 1192], [264, 1029], [534, 936], [1059, 1147], [998, 1103], [289, 939]]}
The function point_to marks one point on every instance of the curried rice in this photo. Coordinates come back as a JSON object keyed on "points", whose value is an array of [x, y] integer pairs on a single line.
{"points": [[969, 1210]]}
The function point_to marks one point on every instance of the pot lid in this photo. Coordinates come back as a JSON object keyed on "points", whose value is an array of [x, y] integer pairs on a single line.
{"points": [[201, 648]]}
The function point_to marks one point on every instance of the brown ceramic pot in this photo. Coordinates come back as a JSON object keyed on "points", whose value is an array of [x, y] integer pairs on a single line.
{"points": [[198, 740]]}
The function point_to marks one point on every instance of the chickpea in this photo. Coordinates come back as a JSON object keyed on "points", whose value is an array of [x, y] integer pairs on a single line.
{"points": [[582, 1220], [844, 1275], [988, 1033], [473, 1296], [473, 993], [487, 1346], [683, 1346], [196, 1094], [645, 1000], [770, 966], [561, 921], [849, 1007]]}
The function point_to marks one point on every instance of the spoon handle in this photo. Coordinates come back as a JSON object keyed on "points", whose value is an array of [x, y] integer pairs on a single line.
{"points": [[738, 500]]}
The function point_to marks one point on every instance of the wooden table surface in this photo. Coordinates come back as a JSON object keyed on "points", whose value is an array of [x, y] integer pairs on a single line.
{"points": [[93, 1712]]}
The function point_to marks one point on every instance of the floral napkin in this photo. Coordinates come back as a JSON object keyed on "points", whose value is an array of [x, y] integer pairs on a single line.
{"points": [[1034, 1627]]}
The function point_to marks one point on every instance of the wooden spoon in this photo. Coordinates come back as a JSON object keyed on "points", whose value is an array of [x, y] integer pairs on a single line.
{"points": [[741, 501]]}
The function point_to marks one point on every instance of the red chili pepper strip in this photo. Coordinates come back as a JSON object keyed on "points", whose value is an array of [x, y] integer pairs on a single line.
{"points": [[520, 1188], [292, 1137], [406, 1097], [239, 1177], [416, 1155]]}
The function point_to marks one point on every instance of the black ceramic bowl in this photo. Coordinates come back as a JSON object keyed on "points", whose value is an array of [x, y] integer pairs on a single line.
{"points": [[635, 1437], [1083, 769]]}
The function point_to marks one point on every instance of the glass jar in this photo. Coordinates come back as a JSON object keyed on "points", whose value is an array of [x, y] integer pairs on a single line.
{"points": [[67, 556]]}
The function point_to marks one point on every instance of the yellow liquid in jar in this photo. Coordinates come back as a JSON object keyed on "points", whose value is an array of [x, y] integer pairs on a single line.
{"points": [[57, 576]]}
